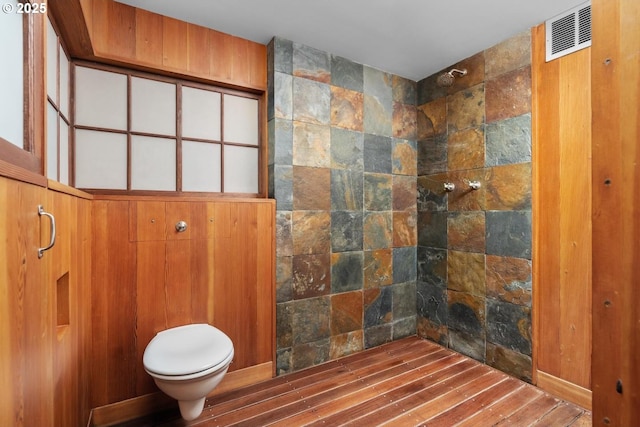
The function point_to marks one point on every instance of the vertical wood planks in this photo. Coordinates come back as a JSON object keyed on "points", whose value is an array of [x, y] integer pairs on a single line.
{"points": [[174, 43], [615, 68], [562, 244], [26, 357], [126, 34], [149, 37], [546, 199], [219, 271], [113, 265]]}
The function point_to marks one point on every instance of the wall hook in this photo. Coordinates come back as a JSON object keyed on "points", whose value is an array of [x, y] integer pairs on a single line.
{"points": [[449, 186]]}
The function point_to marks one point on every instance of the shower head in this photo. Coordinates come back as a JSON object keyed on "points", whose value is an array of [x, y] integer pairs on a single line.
{"points": [[446, 79]]}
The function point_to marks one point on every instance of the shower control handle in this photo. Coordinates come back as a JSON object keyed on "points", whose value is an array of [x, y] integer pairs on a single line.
{"points": [[475, 185]]}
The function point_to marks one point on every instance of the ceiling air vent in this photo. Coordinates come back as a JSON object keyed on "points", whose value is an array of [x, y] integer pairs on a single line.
{"points": [[569, 32]]}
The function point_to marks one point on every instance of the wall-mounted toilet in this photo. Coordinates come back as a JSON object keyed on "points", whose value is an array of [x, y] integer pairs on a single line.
{"points": [[187, 363]]}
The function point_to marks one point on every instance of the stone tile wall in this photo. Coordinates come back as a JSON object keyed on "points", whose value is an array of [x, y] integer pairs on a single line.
{"points": [[474, 247], [343, 171]]}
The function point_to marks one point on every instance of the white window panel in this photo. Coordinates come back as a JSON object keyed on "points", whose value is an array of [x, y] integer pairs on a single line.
{"points": [[11, 78], [64, 83], [153, 163], [52, 142], [101, 98], [153, 106], [52, 62], [64, 152], [240, 120], [200, 114], [240, 169], [200, 166], [100, 160]]}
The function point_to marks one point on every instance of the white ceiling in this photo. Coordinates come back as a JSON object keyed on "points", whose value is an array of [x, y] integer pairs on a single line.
{"points": [[410, 38]]}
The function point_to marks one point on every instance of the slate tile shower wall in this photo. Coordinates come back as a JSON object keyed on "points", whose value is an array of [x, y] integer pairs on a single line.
{"points": [[474, 246], [343, 171]]}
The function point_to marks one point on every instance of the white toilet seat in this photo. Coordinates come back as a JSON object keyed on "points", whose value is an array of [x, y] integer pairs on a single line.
{"points": [[187, 352]]}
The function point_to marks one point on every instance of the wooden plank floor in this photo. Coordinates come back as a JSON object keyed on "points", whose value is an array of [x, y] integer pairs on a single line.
{"points": [[410, 382]]}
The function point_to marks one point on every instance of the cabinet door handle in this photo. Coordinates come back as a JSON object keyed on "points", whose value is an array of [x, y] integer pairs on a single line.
{"points": [[52, 241]]}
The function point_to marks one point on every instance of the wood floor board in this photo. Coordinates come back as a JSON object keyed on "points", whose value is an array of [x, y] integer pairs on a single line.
{"points": [[355, 393], [475, 404], [531, 413], [406, 398], [503, 408], [409, 382], [346, 395], [562, 414]]}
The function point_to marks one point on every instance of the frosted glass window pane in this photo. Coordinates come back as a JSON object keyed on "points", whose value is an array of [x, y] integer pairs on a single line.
{"points": [[52, 142], [52, 62], [64, 83], [200, 166], [240, 169], [64, 152], [11, 79], [153, 163], [101, 160], [101, 98], [200, 114], [153, 106], [240, 120]]}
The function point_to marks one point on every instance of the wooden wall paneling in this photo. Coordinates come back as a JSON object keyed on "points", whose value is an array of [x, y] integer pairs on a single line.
{"points": [[258, 68], [220, 55], [198, 46], [149, 41], [229, 253], [122, 24], [95, 13], [174, 43], [63, 283], [575, 219], [26, 315], [147, 221], [615, 68], [242, 255], [176, 212], [202, 280], [219, 271], [126, 36], [122, 310], [265, 283], [114, 311], [177, 282], [113, 30], [99, 302], [562, 247], [241, 61], [201, 262], [151, 304], [84, 311], [546, 199]]}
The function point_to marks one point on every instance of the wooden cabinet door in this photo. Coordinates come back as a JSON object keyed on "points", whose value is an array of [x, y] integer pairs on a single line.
{"points": [[26, 315]]}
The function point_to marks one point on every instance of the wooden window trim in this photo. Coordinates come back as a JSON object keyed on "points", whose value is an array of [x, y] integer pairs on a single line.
{"points": [[27, 164]]}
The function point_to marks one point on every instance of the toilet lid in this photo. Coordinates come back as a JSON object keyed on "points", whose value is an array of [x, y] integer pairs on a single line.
{"points": [[186, 350]]}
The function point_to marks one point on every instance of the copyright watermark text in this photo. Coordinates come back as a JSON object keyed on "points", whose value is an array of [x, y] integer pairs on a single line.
{"points": [[24, 8]]}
